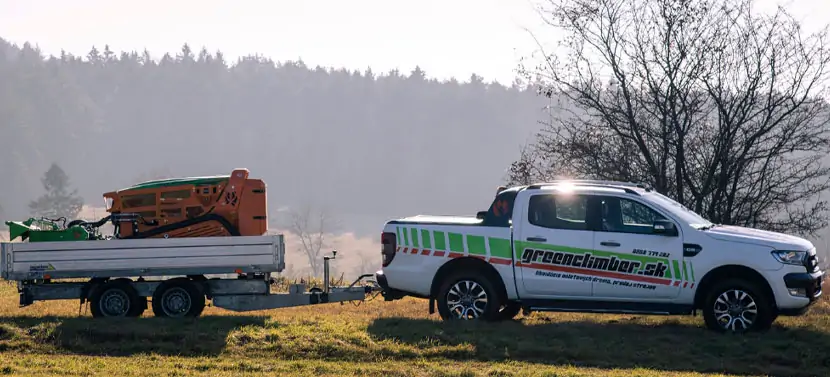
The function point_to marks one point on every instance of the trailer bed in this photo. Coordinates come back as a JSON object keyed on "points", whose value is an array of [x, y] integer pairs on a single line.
{"points": [[142, 257]]}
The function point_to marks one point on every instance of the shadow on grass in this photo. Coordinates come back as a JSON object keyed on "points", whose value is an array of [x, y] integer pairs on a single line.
{"points": [[204, 336], [668, 346]]}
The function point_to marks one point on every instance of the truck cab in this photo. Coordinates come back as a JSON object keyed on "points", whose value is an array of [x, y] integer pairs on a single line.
{"points": [[597, 246]]}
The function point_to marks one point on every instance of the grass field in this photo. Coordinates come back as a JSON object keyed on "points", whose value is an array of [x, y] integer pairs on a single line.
{"points": [[381, 338]]}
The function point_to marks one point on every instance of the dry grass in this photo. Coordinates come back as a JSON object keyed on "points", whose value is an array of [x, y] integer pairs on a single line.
{"points": [[396, 339]]}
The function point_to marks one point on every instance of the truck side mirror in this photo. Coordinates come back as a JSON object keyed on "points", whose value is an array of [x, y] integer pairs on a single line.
{"points": [[664, 227]]}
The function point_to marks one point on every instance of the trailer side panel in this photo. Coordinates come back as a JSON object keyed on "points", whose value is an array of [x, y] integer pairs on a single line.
{"points": [[142, 257]]}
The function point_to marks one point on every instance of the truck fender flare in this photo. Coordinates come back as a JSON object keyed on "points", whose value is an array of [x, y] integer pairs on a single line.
{"points": [[731, 271], [470, 264]]}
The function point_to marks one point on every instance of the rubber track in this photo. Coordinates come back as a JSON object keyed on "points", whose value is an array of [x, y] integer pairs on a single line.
{"points": [[170, 227]]}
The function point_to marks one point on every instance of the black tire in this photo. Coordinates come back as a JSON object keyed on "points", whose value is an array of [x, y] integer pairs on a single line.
{"points": [[178, 298], [745, 296], [457, 283], [116, 298], [510, 310], [139, 304]]}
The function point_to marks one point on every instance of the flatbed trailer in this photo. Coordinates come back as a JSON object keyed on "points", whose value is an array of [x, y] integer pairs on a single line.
{"points": [[118, 276]]}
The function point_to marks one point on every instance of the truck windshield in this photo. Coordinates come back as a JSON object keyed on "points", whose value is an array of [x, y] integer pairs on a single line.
{"points": [[690, 217]]}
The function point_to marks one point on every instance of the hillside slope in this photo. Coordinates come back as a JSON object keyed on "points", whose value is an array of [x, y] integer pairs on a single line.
{"points": [[368, 145]]}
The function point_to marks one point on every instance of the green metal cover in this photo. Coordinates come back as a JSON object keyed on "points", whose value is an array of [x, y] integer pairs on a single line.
{"points": [[211, 180], [44, 231]]}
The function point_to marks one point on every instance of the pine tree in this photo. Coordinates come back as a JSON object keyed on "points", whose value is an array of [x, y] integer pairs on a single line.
{"points": [[58, 201]]}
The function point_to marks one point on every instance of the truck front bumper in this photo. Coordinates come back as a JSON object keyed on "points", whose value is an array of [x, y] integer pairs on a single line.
{"points": [[808, 284]]}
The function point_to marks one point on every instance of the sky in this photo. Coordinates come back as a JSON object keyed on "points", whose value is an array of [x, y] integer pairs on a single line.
{"points": [[446, 38]]}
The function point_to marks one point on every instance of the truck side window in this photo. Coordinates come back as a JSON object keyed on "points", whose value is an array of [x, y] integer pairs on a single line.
{"points": [[558, 211], [627, 216]]}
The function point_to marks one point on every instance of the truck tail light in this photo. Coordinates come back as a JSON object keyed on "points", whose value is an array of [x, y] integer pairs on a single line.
{"points": [[388, 243]]}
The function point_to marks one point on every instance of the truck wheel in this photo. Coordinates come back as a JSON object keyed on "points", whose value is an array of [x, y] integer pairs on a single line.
{"points": [[510, 310], [737, 306], [178, 298], [467, 296], [114, 299]]}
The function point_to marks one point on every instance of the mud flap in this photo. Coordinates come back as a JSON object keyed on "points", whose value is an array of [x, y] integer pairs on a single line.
{"points": [[431, 305]]}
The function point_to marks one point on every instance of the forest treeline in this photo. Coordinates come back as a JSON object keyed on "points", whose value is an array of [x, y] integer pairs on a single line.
{"points": [[364, 145]]}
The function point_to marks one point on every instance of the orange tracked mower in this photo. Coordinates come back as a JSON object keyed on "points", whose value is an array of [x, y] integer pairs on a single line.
{"points": [[229, 205]]}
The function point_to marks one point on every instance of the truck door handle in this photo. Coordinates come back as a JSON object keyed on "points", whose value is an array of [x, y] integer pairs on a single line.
{"points": [[537, 239], [610, 243]]}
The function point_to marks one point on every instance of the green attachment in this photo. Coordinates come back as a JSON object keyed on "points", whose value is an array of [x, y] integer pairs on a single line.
{"points": [[36, 230]]}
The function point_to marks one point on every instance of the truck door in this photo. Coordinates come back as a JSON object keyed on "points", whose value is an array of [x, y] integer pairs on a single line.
{"points": [[636, 262], [551, 240]]}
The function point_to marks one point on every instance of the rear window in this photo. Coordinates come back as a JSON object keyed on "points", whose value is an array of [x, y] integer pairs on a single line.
{"points": [[558, 211]]}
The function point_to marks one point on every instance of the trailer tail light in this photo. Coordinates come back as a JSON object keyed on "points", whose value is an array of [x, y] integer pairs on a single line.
{"points": [[388, 243]]}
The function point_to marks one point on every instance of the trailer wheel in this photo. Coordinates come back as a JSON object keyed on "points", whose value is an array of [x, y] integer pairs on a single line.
{"points": [[114, 299], [139, 305], [468, 295], [178, 298]]}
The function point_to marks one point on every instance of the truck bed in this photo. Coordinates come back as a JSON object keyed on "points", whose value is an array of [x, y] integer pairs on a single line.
{"points": [[438, 220], [142, 257]]}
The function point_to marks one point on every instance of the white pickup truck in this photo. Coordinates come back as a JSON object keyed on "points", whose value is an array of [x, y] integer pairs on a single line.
{"points": [[596, 246]]}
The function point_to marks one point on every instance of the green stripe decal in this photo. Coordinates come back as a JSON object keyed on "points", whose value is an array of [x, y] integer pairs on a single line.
{"points": [[426, 239], [398, 229], [440, 241], [499, 247], [456, 242], [499, 250], [685, 272], [415, 243], [476, 245], [692, 270], [676, 269]]}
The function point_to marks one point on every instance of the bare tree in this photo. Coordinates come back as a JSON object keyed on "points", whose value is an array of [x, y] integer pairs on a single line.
{"points": [[368, 262], [527, 169], [709, 102], [313, 228]]}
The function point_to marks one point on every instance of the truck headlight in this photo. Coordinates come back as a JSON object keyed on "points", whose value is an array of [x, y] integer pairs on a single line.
{"points": [[790, 256]]}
